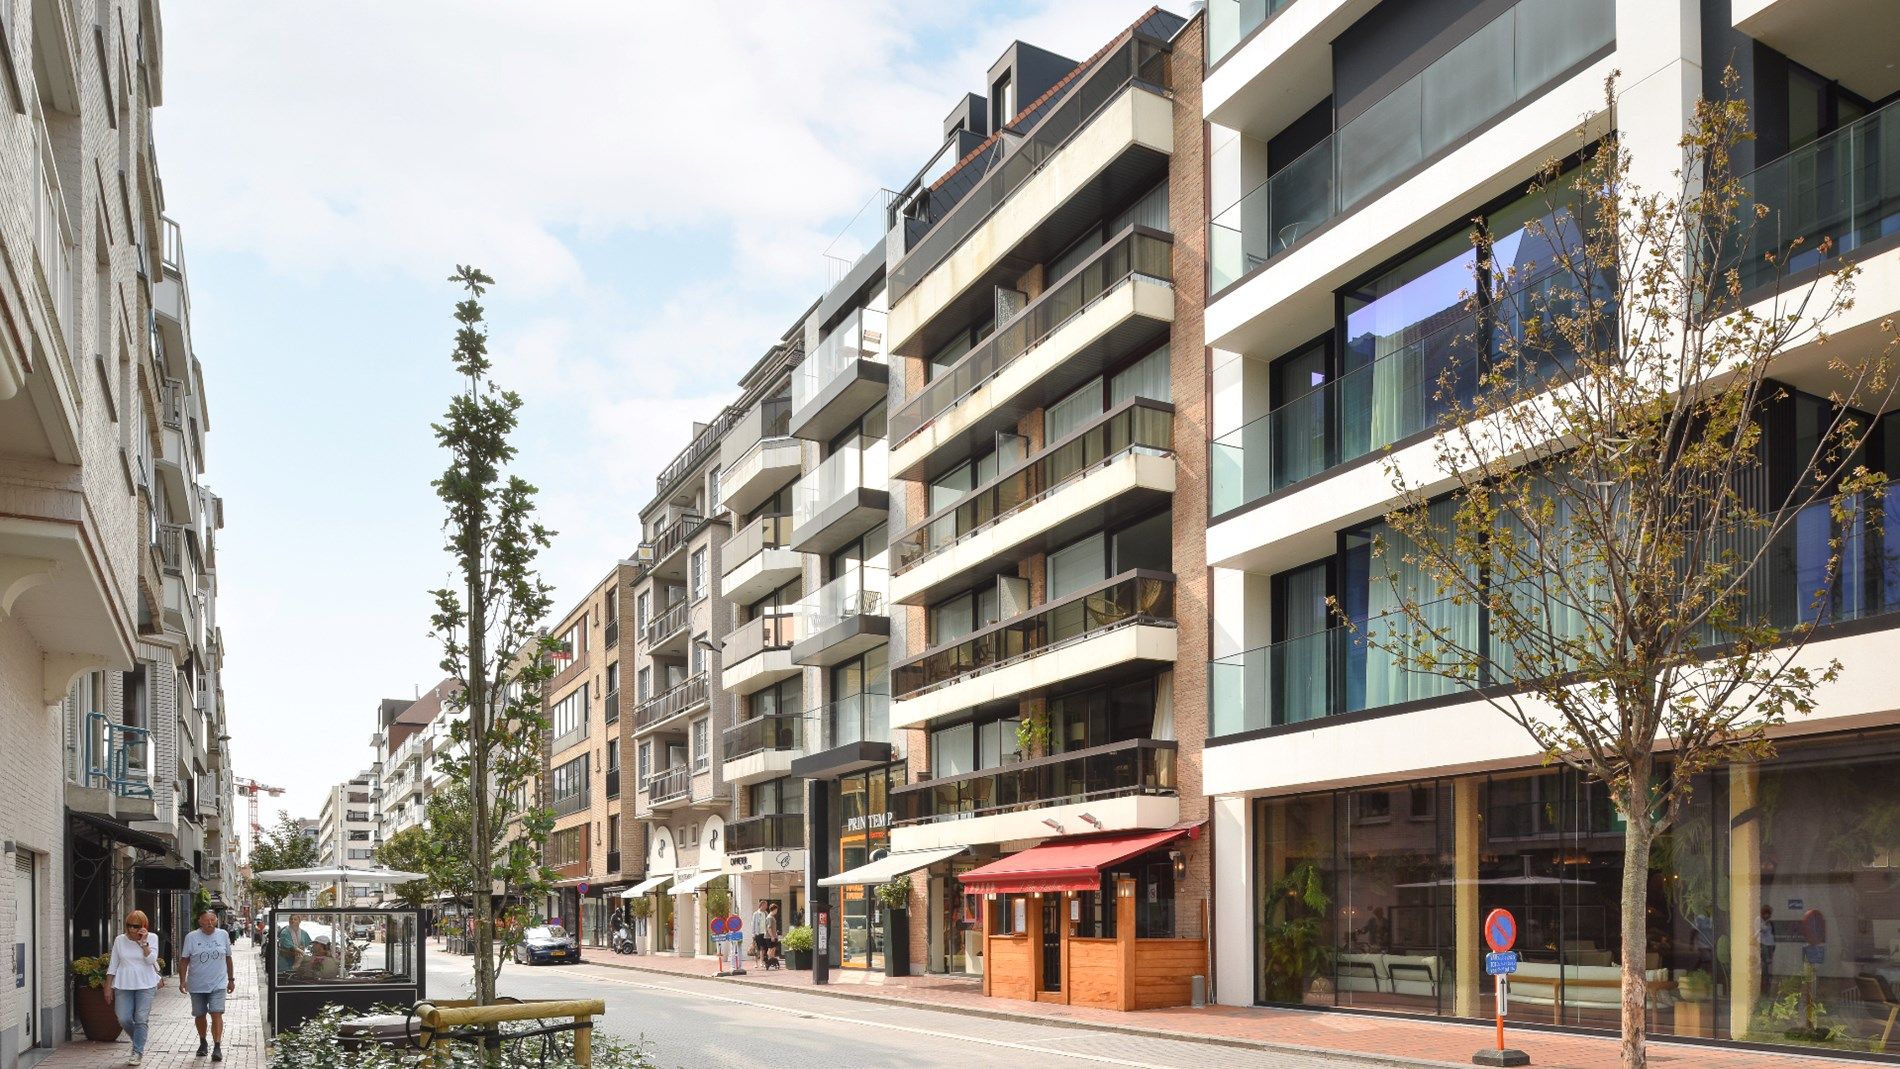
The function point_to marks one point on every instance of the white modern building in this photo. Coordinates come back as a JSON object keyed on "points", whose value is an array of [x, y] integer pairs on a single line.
{"points": [[347, 834], [1354, 147]]}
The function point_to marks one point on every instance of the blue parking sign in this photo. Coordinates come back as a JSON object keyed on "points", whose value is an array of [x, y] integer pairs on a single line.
{"points": [[1502, 962]]}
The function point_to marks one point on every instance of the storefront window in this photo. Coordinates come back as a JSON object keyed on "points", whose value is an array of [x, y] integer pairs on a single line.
{"points": [[863, 810]]}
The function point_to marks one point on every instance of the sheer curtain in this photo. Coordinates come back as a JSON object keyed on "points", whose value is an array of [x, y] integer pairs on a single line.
{"points": [[1148, 377], [1395, 581]]}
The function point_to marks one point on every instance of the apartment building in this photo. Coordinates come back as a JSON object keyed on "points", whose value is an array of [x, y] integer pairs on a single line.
{"points": [[1354, 147], [411, 740], [586, 740], [1033, 765], [347, 835], [110, 710], [682, 801]]}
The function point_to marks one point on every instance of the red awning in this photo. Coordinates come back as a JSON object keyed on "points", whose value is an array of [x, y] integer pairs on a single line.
{"points": [[1064, 864]]}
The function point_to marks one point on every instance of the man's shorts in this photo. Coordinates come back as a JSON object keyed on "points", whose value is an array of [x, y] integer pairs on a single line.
{"points": [[203, 1002]]}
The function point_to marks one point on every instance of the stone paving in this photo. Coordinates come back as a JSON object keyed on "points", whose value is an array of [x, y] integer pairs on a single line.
{"points": [[1421, 1042], [172, 1042]]}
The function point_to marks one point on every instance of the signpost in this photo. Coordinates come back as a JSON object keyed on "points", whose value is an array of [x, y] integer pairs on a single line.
{"points": [[731, 931], [1500, 934]]}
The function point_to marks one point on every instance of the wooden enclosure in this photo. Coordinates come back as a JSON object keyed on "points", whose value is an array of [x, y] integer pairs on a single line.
{"points": [[1123, 973]]}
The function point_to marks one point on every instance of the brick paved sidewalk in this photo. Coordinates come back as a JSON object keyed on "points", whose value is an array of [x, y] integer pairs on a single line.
{"points": [[1425, 1042], [172, 1042]]}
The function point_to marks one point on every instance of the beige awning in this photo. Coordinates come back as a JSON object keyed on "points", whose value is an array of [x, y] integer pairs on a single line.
{"points": [[891, 866], [693, 883], [646, 886]]}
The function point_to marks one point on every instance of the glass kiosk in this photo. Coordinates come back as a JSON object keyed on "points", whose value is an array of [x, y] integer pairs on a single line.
{"points": [[359, 959]]}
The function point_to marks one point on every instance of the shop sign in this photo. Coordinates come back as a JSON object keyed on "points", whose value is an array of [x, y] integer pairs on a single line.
{"points": [[864, 821]]}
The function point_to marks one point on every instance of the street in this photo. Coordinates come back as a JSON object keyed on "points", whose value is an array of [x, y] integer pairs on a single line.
{"points": [[690, 1024]]}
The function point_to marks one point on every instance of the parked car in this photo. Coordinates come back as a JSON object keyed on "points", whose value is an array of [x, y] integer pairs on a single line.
{"points": [[548, 943]]}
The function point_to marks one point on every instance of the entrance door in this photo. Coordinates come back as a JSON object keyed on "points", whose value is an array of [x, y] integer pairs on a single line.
{"points": [[1052, 922], [26, 949]]}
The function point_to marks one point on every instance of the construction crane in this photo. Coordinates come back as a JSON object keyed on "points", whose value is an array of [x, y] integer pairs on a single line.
{"points": [[250, 789]]}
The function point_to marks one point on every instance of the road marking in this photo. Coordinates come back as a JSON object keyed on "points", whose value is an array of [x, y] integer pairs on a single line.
{"points": [[931, 1032]]}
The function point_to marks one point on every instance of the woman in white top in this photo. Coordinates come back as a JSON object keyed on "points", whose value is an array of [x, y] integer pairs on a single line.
{"points": [[132, 980]]}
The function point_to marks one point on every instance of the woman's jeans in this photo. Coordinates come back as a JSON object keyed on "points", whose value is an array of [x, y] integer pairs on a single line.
{"points": [[135, 1013]]}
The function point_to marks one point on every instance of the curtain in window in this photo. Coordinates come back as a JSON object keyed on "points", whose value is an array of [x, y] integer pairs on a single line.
{"points": [[1072, 411], [1300, 668], [1076, 567], [1164, 707], [1394, 581], [1149, 377]]}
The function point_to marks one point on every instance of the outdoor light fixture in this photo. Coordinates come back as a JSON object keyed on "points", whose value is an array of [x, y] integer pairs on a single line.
{"points": [[1089, 819], [1180, 863], [1053, 824]]}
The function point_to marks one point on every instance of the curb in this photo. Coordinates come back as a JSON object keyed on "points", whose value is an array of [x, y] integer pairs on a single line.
{"points": [[1324, 1053]]}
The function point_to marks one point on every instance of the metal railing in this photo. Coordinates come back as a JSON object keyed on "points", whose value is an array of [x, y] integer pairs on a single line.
{"points": [[689, 693], [1119, 769], [766, 532], [668, 784], [171, 546], [1842, 187], [1135, 425], [773, 732], [613, 783], [674, 618], [773, 831], [696, 451], [612, 703], [1513, 57], [118, 756], [859, 337], [171, 404], [676, 534], [1138, 252], [611, 632], [937, 217], [1134, 597], [572, 803]]}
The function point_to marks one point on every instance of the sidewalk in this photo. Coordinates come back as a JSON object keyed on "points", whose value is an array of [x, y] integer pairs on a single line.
{"points": [[1398, 1040], [172, 1042]]}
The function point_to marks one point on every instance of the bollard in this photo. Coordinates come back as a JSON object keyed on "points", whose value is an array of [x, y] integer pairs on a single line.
{"points": [[1198, 986]]}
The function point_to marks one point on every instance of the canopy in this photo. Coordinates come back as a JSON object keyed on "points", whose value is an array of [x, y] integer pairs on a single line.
{"points": [[891, 866], [333, 874], [697, 880], [646, 886], [1064, 864]]}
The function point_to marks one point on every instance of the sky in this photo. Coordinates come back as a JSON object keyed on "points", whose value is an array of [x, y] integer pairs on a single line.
{"points": [[655, 189]]}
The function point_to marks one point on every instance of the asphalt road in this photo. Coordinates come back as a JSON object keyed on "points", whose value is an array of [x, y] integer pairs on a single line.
{"points": [[689, 1023]]}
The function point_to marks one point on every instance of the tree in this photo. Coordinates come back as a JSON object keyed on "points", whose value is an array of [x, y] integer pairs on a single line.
{"points": [[489, 624], [409, 850], [284, 846], [1604, 568], [450, 867]]}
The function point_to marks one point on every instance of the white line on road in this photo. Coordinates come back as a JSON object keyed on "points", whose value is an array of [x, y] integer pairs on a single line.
{"points": [[885, 1025]]}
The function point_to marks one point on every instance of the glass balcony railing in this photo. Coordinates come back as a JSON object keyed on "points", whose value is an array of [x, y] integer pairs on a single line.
{"points": [[1230, 21], [669, 784], [690, 693], [1337, 670], [861, 717], [774, 831], [1135, 425], [1513, 57], [760, 634], [1136, 253], [860, 591], [859, 465], [1842, 187], [766, 532], [1137, 766], [859, 337], [1134, 597], [1404, 393], [773, 732], [935, 224]]}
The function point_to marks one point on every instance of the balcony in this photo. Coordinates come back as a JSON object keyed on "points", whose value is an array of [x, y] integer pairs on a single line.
{"points": [[757, 559], [773, 831], [1123, 622], [1230, 22], [669, 544], [842, 378], [1519, 55], [691, 693], [667, 632], [1122, 786], [569, 666], [758, 456], [1842, 187], [613, 783], [1119, 464], [573, 803], [856, 735], [763, 747], [612, 704], [690, 458], [1116, 304], [671, 788], [116, 780], [611, 632], [844, 617], [841, 498], [1105, 139], [758, 653]]}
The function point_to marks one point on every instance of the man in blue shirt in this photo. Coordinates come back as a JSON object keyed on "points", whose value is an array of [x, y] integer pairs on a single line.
{"points": [[206, 946]]}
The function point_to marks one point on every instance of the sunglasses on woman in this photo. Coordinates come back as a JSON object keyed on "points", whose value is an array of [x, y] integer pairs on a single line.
{"points": [[136, 927]]}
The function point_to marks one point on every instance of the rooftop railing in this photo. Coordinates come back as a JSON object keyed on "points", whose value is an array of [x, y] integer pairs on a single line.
{"points": [[1117, 770]]}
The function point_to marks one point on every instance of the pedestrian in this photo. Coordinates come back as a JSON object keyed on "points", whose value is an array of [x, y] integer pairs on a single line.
{"points": [[760, 941], [771, 937], [206, 947], [293, 944], [132, 980], [1765, 932]]}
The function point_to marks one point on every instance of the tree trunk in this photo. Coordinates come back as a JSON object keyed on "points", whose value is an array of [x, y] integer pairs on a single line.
{"points": [[483, 843], [1638, 835]]}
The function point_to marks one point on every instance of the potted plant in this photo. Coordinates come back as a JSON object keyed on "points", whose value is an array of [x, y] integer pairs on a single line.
{"points": [[896, 894], [797, 944], [895, 898], [96, 1018], [1695, 986], [1291, 940]]}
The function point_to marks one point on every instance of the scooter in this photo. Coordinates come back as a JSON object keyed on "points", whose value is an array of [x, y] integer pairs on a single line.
{"points": [[622, 943]]}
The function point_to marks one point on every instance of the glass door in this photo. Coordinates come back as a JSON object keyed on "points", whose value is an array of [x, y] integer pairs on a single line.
{"points": [[1052, 922]]}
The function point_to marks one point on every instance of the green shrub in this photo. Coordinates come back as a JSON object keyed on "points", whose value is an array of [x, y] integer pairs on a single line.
{"points": [[315, 1045], [798, 938]]}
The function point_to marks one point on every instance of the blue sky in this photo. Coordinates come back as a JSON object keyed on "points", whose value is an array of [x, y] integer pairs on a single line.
{"points": [[653, 187]]}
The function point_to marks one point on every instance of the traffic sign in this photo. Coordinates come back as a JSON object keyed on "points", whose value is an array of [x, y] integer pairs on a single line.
{"points": [[735, 926], [1502, 963], [718, 927], [1500, 929]]}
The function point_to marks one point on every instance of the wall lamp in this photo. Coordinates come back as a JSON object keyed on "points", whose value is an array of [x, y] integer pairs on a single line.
{"points": [[1053, 824], [1090, 820], [1180, 863]]}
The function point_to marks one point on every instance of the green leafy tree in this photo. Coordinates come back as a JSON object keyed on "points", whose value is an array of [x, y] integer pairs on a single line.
{"points": [[1611, 518], [284, 846], [489, 624], [410, 851]]}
